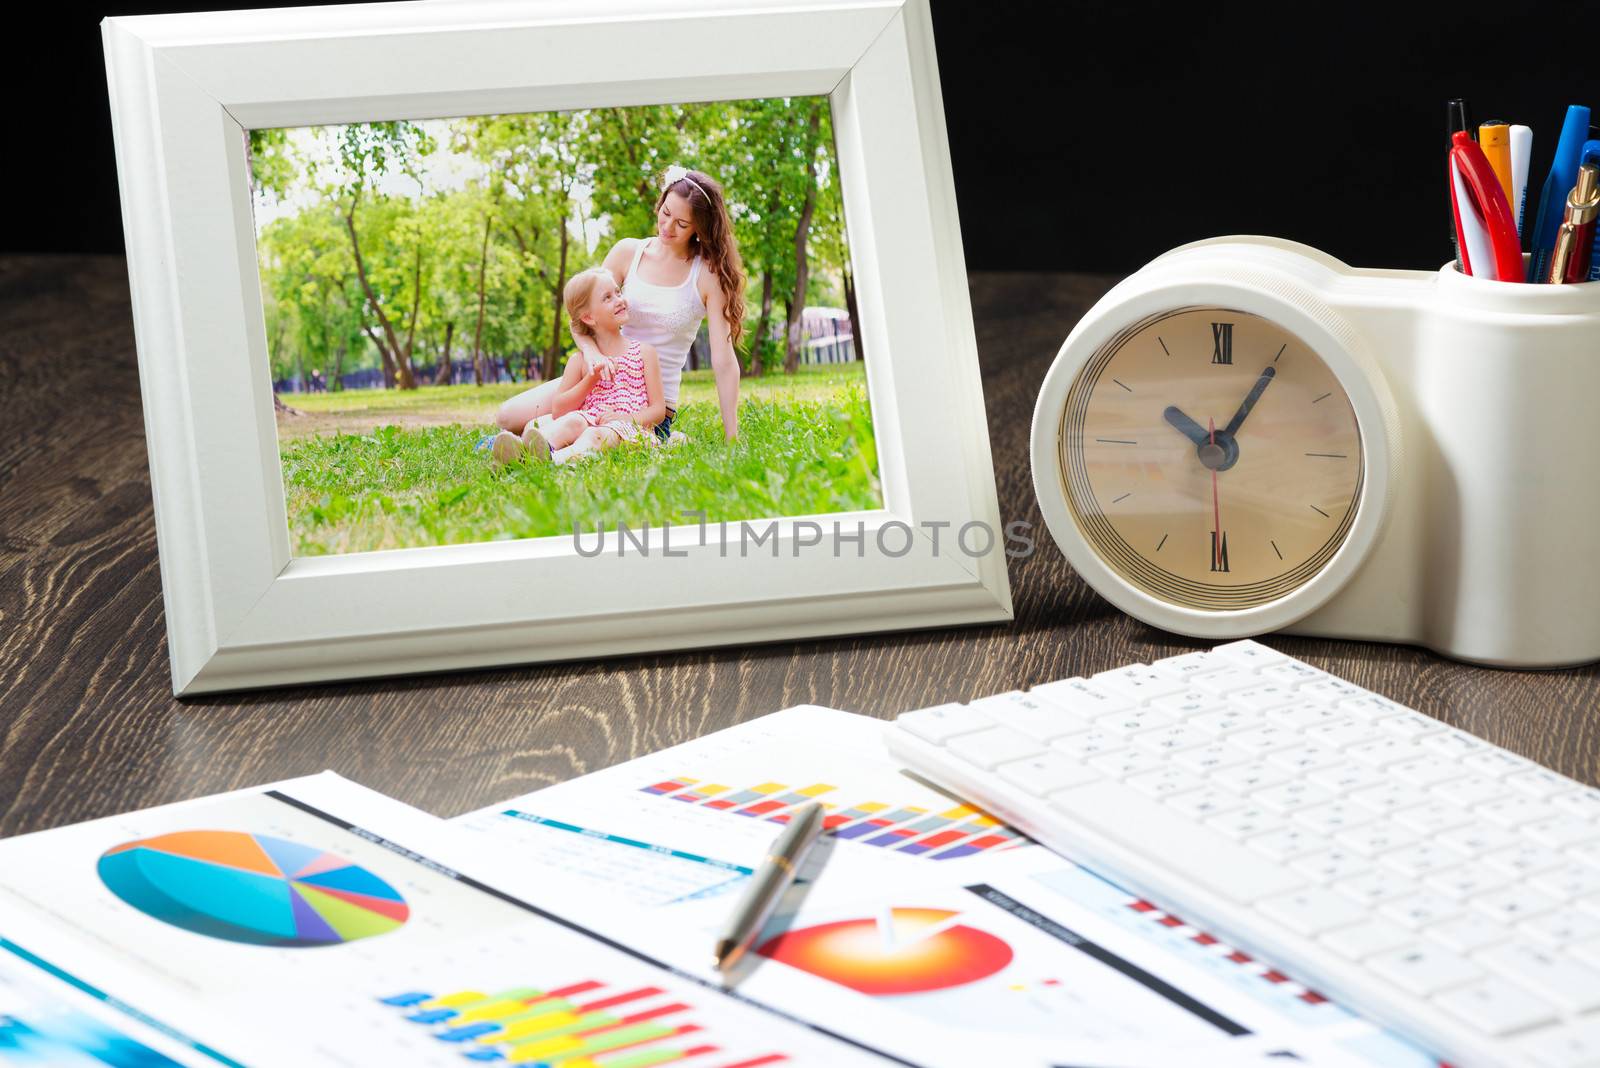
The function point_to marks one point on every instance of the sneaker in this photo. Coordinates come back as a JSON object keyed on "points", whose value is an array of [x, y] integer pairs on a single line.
{"points": [[508, 448], [537, 445]]}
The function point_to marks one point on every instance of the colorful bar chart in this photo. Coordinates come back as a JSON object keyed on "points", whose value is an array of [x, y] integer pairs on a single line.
{"points": [[584, 1024], [947, 834]]}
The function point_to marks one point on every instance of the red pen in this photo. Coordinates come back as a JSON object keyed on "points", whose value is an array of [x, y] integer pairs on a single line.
{"points": [[1486, 229], [1575, 239]]}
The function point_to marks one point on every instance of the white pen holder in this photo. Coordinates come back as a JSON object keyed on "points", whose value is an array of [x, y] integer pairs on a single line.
{"points": [[1478, 534]]}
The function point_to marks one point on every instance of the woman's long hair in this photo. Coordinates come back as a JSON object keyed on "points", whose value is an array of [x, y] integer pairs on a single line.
{"points": [[714, 240]]}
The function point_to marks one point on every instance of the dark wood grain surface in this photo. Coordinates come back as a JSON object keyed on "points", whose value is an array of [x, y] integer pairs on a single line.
{"points": [[88, 726]]}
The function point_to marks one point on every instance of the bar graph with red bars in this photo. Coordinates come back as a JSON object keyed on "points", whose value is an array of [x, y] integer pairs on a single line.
{"points": [[912, 830]]}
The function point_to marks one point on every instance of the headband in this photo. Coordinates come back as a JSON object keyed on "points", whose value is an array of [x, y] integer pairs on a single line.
{"points": [[676, 173]]}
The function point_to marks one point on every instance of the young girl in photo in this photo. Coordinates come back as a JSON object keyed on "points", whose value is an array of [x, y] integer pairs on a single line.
{"points": [[591, 412]]}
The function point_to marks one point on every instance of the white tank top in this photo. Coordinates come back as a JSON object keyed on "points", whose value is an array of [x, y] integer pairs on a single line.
{"points": [[667, 317]]}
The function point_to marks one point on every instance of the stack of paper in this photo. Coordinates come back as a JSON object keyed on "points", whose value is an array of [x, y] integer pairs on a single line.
{"points": [[318, 923]]}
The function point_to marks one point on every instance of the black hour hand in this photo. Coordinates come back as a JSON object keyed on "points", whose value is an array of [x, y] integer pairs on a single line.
{"points": [[1186, 426]]}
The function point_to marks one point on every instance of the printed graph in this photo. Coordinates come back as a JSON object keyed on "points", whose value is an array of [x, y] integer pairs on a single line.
{"points": [[584, 1024], [912, 830], [251, 888], [901, 951]]}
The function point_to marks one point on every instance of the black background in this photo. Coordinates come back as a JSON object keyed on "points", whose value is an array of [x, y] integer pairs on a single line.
{"points": [[1084, 137]]}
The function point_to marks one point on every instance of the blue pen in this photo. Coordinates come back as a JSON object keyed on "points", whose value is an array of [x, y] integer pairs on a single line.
{"points": [[1591, 154], [1553, 196]]}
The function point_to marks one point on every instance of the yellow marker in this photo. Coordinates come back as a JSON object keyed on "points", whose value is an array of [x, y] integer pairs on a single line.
{"points": [[1494, 137]]}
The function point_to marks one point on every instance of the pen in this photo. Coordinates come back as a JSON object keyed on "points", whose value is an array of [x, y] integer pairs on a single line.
{"points": [[1569, 262], [1521, 157], [1455, 121], [768, 884], [1486, 234], [1553, 195], [1494, 137]]}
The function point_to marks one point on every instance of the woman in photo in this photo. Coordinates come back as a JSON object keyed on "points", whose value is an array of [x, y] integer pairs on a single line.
{"points": [[686, 273]]}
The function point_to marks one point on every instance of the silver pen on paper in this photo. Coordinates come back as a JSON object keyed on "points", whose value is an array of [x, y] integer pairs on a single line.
{"points": [[768, 883]]}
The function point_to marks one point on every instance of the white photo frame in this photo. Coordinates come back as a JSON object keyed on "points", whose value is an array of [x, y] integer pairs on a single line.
{"points": [[241, 612]]}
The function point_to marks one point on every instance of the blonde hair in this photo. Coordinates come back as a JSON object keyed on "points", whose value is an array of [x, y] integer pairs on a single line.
{"points": [[579, 292], [714, 240]]}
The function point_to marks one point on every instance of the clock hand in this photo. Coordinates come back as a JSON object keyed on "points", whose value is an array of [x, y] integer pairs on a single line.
{"points": [[1184, 425], [1249, 402], [1216, 508]]}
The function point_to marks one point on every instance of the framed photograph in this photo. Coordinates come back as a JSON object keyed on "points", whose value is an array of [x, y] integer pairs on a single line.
{"points": [[500, 331]]}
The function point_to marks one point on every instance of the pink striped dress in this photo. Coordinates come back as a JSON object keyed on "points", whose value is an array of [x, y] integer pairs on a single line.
{"points": [[626, 392]]}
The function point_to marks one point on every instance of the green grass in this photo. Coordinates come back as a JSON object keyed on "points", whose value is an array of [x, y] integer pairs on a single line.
{"points": [[805, 446]]}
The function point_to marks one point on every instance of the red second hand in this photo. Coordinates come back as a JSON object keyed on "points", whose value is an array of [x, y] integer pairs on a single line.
{"points": [[1216, 507]]}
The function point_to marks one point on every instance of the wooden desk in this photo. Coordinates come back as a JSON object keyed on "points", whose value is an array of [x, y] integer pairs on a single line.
{"points": [[88, 725]]}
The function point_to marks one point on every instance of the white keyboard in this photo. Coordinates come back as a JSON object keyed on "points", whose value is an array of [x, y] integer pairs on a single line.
{"points": [[1434, 882]]}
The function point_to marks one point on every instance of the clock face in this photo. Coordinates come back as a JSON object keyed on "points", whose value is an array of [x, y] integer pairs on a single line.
{"points": [[1211, 459]]}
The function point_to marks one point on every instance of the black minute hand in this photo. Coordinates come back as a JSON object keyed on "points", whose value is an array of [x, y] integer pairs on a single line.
{"points": [[1249, 402]]}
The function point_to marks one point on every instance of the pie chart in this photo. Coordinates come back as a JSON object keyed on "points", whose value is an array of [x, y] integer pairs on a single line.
{"points": [[252, 888], [901, 951]]}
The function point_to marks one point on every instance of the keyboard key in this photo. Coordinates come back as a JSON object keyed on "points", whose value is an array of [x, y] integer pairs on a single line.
{"points": [[1383, 751], [1468, 880], [1230, 681], [1480, 839], [1223, 720], [1244, 822], [1514, 903], [1564, 928], [1211, 859], [1081, 697], [1188, 703], [1262, 697], [1253, 775], [1453, 743], [1540, 782], [1338, 732], [1584, 803], [1494, 1007], [1574, 986], [993, 746], [1332, 865], [1131, 720], [1045, 773], [1567, 1045], [1421, 909], [1204, 803], [1333, 817], [1294, 673], [1126, 762], [1375, 886], [1328, 689], [1422, 859], [1429, 770], [1348, 777], [1091, 743], [1291, 796], [1572, 880], [1512, 812], [1369, 706], [1390, 797], [1286, 843], [1303, 716], [1408, 724], [1375, 838], [1263, 740], [1497, 762], [1361, 940], [1312, 910], [1432, 817], [1250, 654], [1304, 759], [1140, 682], [1192, 665], [1560, 831], [1468, 933], [1210, 758], [1169, 739], [1425, 969], [1473, 789], [1159, 784], [943, 722], [1039, 720], [1525, 859]]}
